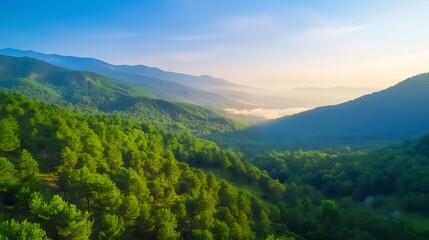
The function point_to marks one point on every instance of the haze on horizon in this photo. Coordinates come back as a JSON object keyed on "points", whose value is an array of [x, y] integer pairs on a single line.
{"points": [[276, 45]]}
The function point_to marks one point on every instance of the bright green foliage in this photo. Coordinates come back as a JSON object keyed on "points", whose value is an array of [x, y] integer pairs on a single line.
{"points": [[111, 227], [27, 168], [9, 140], [94, 191], [7, 174], [228, 194], [69, 159], [70, 222], [131, 180], [221, 230], [272, 237], [199, 234], [165, 224], [330, 210], [130, 209], [14, 230]]}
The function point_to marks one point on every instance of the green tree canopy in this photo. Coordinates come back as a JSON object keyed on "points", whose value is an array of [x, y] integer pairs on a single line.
{"points": [[9, 140], [12, 229]]}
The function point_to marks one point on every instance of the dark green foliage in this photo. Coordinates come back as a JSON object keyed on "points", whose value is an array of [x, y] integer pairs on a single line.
{"points": [[396, 177], [120, 178], [401, 171]]}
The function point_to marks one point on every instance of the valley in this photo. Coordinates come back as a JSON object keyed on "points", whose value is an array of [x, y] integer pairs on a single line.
{"points": [[214, 120], [87, 156]]}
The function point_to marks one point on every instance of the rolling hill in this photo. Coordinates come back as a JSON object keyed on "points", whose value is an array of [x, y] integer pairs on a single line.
{"points": [[71, 175], [42, 81], [202, 90], [398, 112], [199, 90]]}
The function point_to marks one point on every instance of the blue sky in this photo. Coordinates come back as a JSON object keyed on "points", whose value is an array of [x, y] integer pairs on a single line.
{"points": [[277, 44]]}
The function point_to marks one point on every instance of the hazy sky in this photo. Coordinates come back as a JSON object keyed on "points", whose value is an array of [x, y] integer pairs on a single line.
{"points": [[268, 43]]}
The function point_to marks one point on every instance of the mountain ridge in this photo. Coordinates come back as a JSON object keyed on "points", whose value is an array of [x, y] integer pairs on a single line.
{"points": [[397, 112], [42, 81], [199, 90]]}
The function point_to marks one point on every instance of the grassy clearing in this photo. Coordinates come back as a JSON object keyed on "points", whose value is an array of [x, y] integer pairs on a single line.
{"points": [[50, 180]]}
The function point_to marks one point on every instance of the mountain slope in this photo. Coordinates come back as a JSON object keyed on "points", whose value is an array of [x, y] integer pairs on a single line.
{"points": [[200, 90], [43, 81], [399, 112], [199, 82], [101, 176], [37, 78]]}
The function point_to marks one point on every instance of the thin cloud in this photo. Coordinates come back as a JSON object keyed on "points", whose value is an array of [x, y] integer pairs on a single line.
{"points": [[266, 113], [336, 31]]}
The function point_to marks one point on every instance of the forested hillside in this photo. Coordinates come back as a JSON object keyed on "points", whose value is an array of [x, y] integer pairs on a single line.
{"points": [[46, 82], [170, 86], [71, 175], [396, 113], [393, 179]]}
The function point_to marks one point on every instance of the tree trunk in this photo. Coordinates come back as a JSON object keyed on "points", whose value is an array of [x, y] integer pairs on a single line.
{"points": [[87, 202]]}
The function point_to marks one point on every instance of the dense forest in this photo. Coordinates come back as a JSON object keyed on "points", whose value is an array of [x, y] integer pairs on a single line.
{"points": [[68, 174], [399, 171]]}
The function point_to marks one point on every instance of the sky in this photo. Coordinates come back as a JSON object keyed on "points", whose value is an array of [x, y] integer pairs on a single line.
{"points": [[273, 44]]}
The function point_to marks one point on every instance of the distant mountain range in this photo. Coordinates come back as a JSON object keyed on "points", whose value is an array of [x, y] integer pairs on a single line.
{"points": [[399, 112], [199, 90], [42, 81], [203, 90]]}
